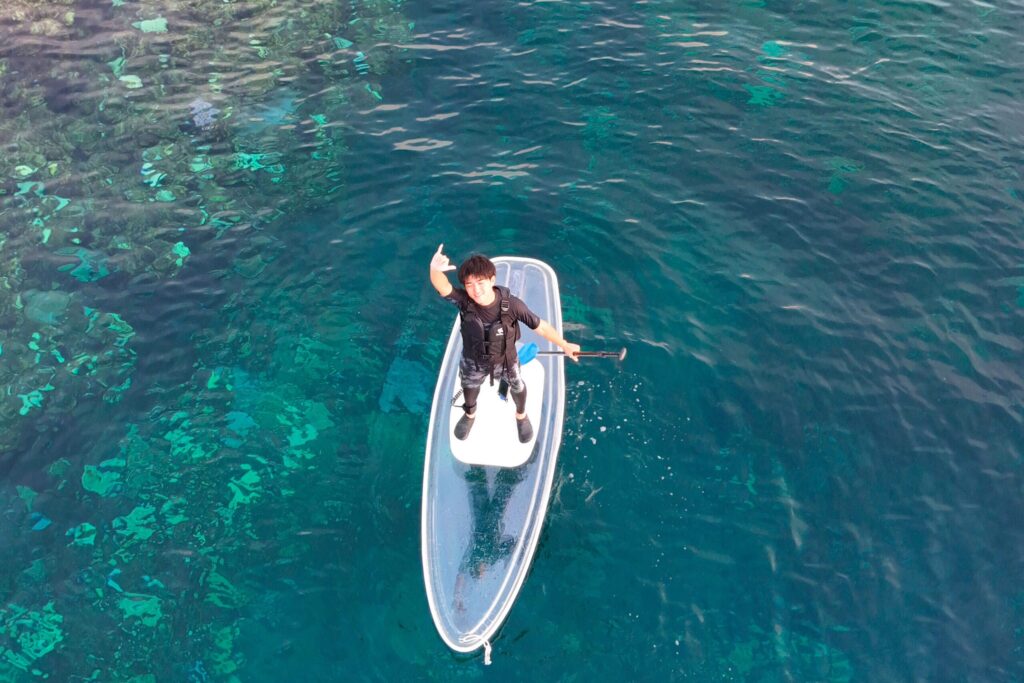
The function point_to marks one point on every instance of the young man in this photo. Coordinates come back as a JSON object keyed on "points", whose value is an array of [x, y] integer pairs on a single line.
{"points": [[490, 327]]}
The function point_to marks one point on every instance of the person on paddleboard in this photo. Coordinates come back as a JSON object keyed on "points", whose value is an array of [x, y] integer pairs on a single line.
{"points": [[490, 327]]}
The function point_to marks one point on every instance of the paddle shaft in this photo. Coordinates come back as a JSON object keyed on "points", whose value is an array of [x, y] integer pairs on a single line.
{"points": [[584, 354], [529, 352]]}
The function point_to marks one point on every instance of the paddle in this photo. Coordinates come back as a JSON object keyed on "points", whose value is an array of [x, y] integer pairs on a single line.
{"points": [[530, 351], [620, 354]]}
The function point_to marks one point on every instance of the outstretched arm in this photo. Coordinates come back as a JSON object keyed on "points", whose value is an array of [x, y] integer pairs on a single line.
{"points": [[551, 334], [439, 266]]}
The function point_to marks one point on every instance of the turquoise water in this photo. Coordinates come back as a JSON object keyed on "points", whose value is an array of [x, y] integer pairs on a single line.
{"points": [[219, 343]]}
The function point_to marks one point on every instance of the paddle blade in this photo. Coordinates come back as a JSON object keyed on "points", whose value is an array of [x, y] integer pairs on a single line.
{"points": [[527, 353]]}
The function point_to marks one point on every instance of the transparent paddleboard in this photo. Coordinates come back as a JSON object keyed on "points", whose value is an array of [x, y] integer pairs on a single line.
{"points": [[481, 524]]}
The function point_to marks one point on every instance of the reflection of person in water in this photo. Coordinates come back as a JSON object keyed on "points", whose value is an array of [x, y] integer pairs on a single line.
{"points": [[489, 543]]}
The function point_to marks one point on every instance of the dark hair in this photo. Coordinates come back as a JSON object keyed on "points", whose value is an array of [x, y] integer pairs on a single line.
{"points": [[476, 265]]}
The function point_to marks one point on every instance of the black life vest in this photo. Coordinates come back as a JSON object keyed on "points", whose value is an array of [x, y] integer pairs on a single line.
{"points": [[495, 345]]}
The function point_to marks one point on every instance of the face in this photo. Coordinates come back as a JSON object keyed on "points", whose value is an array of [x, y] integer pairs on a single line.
{"points": [[480, 290]]}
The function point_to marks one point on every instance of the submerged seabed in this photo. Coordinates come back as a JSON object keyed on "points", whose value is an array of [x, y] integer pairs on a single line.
{"points": [[159, 391], [218, 346]]}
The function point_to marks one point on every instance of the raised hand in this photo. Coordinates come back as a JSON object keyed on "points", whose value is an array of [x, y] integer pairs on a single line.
{"points": [[440, 263]]}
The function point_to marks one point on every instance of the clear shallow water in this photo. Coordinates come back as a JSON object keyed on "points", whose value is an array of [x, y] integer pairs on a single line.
{"points": [[803, 221]]}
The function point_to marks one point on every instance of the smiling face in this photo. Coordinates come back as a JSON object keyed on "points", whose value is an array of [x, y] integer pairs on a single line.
{"points": [[477, 274], [480, 289]]}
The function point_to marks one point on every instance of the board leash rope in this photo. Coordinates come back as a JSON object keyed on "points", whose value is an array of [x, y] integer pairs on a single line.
{"points": [[474, 639]]}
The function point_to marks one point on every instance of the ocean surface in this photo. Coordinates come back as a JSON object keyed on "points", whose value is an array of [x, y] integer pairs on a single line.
{"points": [[218, 342]]}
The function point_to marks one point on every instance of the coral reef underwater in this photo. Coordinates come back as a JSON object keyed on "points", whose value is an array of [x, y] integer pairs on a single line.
{"points": [[139, 138]]}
